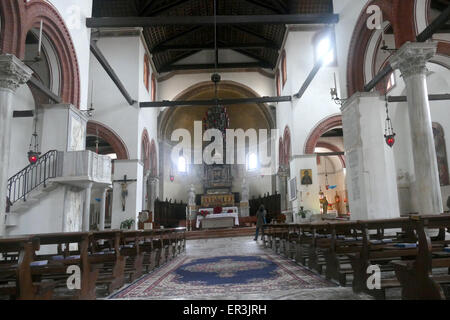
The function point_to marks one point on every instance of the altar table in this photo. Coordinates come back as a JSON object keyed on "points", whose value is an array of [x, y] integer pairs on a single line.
{"points": [[234, 215]]}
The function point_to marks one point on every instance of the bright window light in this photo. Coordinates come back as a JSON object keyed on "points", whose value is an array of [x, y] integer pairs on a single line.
{"points": [[252, 162], [182, 165], [325, 51]]}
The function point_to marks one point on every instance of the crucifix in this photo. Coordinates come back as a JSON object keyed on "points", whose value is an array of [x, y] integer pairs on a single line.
{"points": [[124, 194]]}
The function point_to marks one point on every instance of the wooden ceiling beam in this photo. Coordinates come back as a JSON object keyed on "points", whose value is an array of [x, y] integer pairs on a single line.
{"points": [[210, 46], [211, 66], [176, 36], [193, 103], [266, 6], [133, 22]]}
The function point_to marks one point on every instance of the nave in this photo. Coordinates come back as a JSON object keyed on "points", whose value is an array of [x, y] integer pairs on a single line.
{"points": [[234, 269]]}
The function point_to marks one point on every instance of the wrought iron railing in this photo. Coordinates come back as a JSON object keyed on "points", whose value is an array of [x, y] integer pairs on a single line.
{"points": [[33, 176]]}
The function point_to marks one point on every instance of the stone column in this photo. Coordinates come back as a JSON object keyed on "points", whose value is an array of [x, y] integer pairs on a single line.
{"points": [[411, 59], [145, 193], [153, 186], [371, 177], [13, 73], [103, 210], [87, 207]]}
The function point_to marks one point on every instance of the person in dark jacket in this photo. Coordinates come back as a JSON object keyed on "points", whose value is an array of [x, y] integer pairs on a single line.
{"points": [[260, 221]]}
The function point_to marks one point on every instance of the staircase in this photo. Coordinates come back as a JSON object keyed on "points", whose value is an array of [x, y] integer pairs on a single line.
{"points": [[27, 187]]}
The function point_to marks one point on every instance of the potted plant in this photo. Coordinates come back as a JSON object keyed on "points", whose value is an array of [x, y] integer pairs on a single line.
{"points": [[127, 224], [302, 213]]}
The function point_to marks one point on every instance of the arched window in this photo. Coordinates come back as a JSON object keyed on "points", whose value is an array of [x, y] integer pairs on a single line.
{"points": [[441, 154], [252, 162], [284, 67], [146, 72], [182, 166]]}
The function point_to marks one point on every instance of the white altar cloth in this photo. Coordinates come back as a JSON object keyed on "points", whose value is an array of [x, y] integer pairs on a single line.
{"points": [[211, 215]]}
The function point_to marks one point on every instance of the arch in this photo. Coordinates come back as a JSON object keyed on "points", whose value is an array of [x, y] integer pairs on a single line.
{"points": [[332, 148], [153, 94], [400, 14], [281, 152], [190, 92], [19, 17], [321, 128], [145, 150], [284, 67], [277, 82], [110, 136], [153, 159], [287, 145], [146, 72]]}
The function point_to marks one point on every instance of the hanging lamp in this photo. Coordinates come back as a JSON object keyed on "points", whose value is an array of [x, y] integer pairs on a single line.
{"points": [[389, 134]]}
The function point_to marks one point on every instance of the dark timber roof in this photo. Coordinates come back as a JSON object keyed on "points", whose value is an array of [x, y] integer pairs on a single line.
{"points": [[171, 43]]}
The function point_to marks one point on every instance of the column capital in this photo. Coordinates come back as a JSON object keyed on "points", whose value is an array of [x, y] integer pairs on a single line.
{"points": [[13, 72], [412, 57]]}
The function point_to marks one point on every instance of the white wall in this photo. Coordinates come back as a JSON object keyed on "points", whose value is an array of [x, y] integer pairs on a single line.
{"points": [[172, 87], [74, 13]]}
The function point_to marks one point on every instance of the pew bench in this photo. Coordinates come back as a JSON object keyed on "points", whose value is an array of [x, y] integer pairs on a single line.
{"points": [[16, 265]]}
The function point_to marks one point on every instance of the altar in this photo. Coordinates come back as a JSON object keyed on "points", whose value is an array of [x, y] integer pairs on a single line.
{"points": [[220, 220]]}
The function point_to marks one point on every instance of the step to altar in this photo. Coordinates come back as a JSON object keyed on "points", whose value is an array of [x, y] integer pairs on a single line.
{"points": [[220, 233]]}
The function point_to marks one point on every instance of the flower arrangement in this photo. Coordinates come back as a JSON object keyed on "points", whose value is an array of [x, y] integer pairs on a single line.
{"points": [[203, 213], [230, 211], [218, 210]]}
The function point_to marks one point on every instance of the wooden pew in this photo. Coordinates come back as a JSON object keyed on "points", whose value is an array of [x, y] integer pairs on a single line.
{"points": [[106, 255], [16, 280], [159, 247], [57, 264], [416, 276], [379, 248], [151, 253], [130, 249], [343, 239]]}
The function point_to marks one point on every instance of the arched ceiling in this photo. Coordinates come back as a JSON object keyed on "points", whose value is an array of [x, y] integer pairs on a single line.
{"points": [[241, 116]]}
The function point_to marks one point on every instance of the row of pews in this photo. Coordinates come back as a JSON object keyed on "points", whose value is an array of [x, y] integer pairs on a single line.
{"points": [[82, 266], [411, 253]]}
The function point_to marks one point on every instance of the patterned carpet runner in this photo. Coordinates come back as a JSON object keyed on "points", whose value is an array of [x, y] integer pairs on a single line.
{"points": [[222, 276]]}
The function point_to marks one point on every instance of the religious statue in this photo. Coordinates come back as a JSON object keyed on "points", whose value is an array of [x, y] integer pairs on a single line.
{"points": [[325, 205], [191, 200], [124, 194]]}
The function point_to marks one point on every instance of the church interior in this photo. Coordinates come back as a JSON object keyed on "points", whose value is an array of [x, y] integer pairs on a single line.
{"points": [[224, 149]]}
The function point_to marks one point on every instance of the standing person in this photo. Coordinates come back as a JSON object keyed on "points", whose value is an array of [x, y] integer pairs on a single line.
{"points": [[260, 221]]}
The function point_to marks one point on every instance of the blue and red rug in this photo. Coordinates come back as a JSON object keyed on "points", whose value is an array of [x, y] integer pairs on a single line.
{"points": [[224, 275]]}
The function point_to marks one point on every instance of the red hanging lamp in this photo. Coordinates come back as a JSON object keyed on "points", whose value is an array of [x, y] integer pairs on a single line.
{"points": [[389, 134], [33, 154]]}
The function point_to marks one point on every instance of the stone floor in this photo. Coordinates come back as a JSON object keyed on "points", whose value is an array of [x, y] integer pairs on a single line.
{"points": [[208, 248], [246, 245]]}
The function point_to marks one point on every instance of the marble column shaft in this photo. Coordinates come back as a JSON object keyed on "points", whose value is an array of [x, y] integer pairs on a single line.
{"points": [[411, 59], [103, 210], [13, 73], [87, 207]]}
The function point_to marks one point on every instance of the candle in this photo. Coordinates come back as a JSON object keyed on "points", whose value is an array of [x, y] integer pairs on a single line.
{"points": [[40, 40]]}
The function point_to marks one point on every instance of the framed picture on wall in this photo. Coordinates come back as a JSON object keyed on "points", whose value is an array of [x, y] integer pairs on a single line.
{"points": [[293, 189], [306, 177]]}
